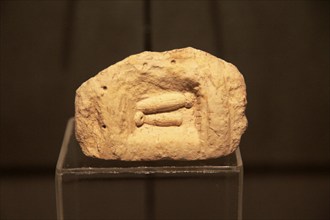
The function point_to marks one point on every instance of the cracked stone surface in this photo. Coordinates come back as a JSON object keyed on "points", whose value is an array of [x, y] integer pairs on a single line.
{"points": [[183, 104]]}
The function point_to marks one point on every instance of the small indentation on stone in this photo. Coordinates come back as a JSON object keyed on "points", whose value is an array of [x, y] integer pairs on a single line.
{"points": [[173, 61], [104, 126], [139, 118], [104, 87]]}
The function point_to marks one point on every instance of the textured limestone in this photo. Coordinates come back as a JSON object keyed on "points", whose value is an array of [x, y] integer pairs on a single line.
{"points": [[182, 104]]}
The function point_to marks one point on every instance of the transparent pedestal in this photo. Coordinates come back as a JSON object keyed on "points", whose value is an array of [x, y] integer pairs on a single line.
{"points": [[89, 188]]}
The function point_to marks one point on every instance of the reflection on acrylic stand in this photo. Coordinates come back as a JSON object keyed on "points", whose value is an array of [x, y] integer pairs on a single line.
{"points": [[89, 188]]}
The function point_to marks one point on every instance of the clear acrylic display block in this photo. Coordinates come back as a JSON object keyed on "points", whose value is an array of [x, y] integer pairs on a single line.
{"points": [[90, 188]]}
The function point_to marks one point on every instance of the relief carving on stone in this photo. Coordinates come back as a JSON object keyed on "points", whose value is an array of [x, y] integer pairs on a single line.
{"points": [[183, 104]]}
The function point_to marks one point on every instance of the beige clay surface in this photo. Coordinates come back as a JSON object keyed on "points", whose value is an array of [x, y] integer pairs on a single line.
{"points": [[182, 104]]}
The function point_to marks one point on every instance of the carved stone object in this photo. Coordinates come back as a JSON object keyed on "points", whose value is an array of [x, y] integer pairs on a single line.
{"points": [[182, 104]]}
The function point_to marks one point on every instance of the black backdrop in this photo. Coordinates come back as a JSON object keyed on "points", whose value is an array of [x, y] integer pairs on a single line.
{"points": [[48, 48]]}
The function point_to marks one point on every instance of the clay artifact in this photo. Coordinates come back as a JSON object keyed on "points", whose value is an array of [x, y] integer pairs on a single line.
{"points": [[183, 104]]}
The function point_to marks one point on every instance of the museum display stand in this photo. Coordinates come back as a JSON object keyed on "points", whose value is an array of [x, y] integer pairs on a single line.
{"points": [[90, 188]]}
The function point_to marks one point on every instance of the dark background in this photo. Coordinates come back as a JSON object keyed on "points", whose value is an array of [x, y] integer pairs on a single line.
{"points": [[48, 48]]}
